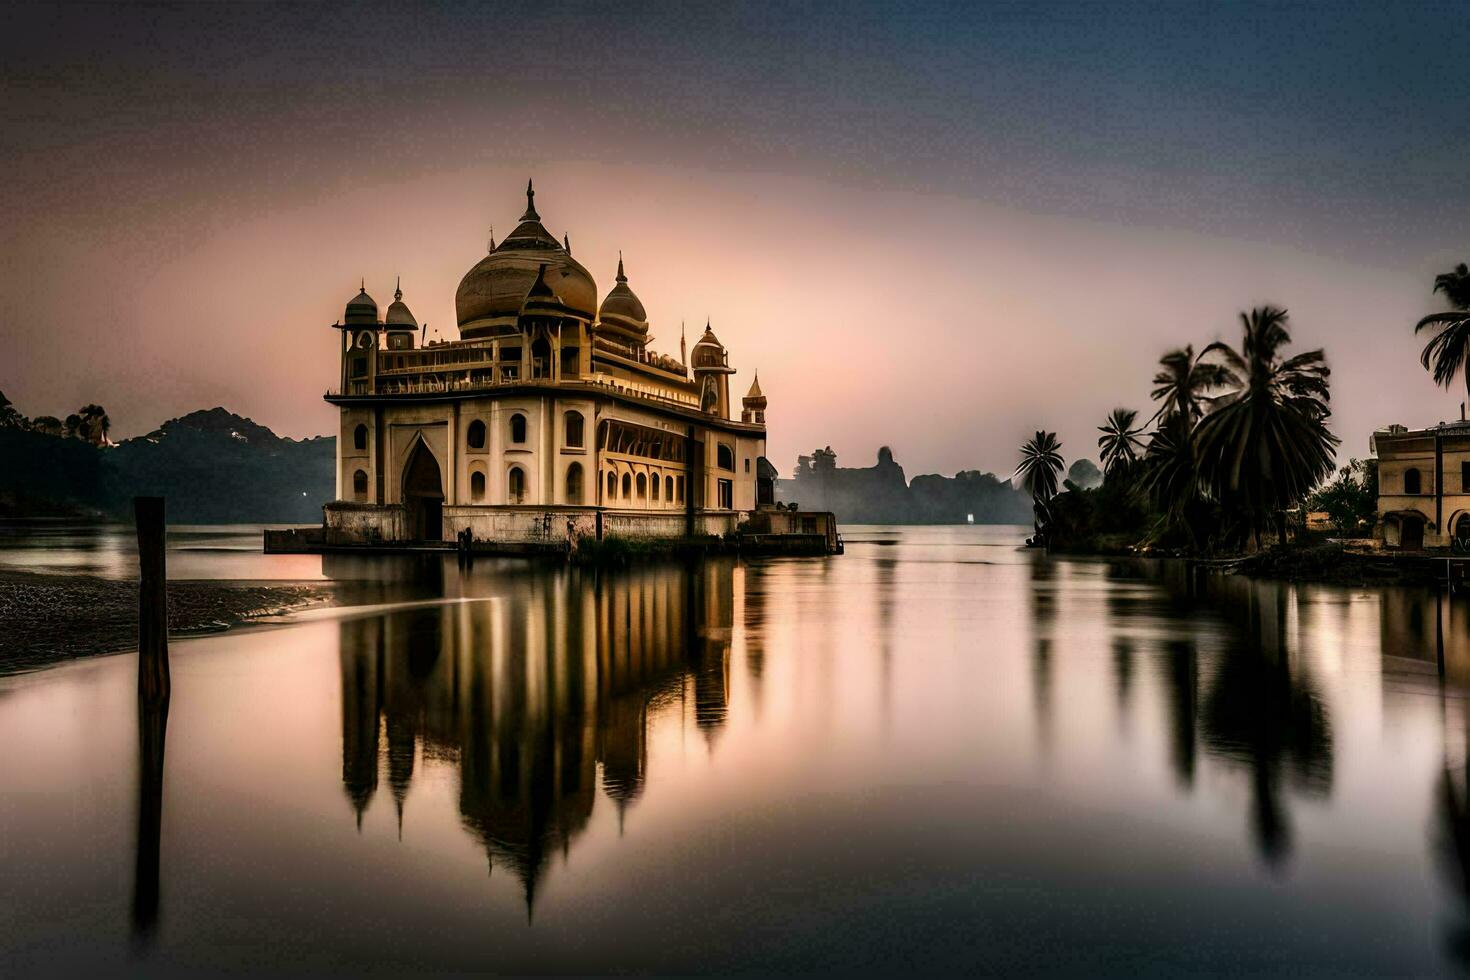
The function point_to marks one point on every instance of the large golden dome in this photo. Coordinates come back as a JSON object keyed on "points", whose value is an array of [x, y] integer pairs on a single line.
{"points": [[490, 295]]}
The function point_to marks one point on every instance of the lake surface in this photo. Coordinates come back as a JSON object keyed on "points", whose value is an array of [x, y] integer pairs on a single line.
{"points": [[935, 752]]}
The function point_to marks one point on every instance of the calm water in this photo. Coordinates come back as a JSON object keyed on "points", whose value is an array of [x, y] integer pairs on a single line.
{"points": [[937, 751]]}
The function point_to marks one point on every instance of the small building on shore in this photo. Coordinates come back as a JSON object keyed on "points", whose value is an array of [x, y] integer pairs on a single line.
{"points": [[1423, 485], [551, 417]]}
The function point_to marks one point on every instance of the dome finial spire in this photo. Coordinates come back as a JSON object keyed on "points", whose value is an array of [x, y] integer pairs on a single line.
{"points": [[621, 277], [530, 214], [398, 287], [492, 239], [566, 242], [362, 284]]}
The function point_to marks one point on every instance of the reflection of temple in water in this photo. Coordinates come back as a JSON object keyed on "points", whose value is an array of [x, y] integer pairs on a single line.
{"points": [[531, 692]]}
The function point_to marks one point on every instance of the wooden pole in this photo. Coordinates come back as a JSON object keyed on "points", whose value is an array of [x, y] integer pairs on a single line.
{"points": [[153, 679]]}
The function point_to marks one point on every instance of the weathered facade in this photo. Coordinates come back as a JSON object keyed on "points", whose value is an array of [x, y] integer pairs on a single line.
{"points": [[550, 417], [1423, 486]]}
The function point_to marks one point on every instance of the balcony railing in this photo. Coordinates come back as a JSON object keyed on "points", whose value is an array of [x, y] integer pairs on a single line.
{"points": [[404, 382]]}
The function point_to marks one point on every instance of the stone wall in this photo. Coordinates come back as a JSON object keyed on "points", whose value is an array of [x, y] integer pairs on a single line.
{"points": [[350, 523]]}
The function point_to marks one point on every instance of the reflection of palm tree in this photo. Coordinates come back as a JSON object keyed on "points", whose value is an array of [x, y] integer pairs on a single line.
{"points": [[1181, 676], [1262, 715], [1447, 350]]}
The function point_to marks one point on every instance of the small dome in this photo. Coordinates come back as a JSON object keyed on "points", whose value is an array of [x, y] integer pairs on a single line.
{"points": [[493, 292], [708, 351], [398, 314], [362, 310], [622, 311]]}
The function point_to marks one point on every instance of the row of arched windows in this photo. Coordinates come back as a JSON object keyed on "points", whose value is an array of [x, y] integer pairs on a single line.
{"points": [[515, 485], [644, 486], [573, 431]]}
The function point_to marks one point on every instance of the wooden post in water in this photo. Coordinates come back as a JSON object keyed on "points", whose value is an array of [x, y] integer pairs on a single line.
{"points": [[153, 679]]}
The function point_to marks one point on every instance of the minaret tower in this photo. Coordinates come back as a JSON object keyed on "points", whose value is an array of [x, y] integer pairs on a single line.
{"points": [[712, 372], [753, 405]]}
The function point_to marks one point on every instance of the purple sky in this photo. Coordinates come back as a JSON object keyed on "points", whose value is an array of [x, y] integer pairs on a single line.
{"points": [[938, 228]]}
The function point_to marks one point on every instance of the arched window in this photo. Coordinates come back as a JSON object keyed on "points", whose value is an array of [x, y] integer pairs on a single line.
{"points": [[475, 435], [515, 485], [669, 489], [642, 486], [725, 457], [1412, 482], [574, 483], [612, 485], [518, 429], [359, 437], [627, 485], [653, 484], [477, 486], [574, 430], [359, 485]]}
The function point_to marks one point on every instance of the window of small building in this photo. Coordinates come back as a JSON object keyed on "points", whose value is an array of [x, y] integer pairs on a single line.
{"points": [[747, 464], [727, 494], [627, 485], [477, 486], [574, 483], [359, 485], [574, 426], [679, 486], [359, 437], [642, 486], [725, 457], [669, 488], [515, 485], [518, 429], [475, 435], [653, 486], [612, 485], [1413, 483], [1465, 476]]}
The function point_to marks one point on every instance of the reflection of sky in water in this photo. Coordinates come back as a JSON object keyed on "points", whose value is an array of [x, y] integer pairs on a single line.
{"points": [[230, 552], [895, 758]]}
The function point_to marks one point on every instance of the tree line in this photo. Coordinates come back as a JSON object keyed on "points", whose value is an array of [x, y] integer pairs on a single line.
{"points": [[1237, 446]]}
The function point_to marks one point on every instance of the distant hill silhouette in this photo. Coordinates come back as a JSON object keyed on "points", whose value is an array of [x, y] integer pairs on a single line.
{"points": [[880, 494], [213, 466]]}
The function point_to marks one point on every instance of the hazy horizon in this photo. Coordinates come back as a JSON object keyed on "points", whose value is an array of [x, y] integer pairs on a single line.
{"points": [[936, 228]]}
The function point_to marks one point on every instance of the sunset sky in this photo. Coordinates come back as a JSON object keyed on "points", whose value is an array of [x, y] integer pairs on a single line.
{"points": [[936, 227]]}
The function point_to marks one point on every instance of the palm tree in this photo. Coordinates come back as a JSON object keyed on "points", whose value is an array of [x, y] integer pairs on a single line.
{"points": [[1265, 446], [1041, 463], [1445, 353], [1121, 441], [1184, 384]]}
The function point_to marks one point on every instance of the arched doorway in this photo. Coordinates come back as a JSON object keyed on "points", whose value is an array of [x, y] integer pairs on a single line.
{"points": [[423, 495]]}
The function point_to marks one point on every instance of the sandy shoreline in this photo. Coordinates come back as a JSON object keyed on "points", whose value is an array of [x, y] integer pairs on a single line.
{"points": [[47, 619]]}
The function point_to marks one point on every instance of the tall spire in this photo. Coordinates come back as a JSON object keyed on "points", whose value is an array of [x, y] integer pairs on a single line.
{"points": [[530, 214], [621, 277], [683, 355]]}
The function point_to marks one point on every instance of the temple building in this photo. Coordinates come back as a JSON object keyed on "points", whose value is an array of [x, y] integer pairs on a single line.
{"points": [[550, 416]]}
